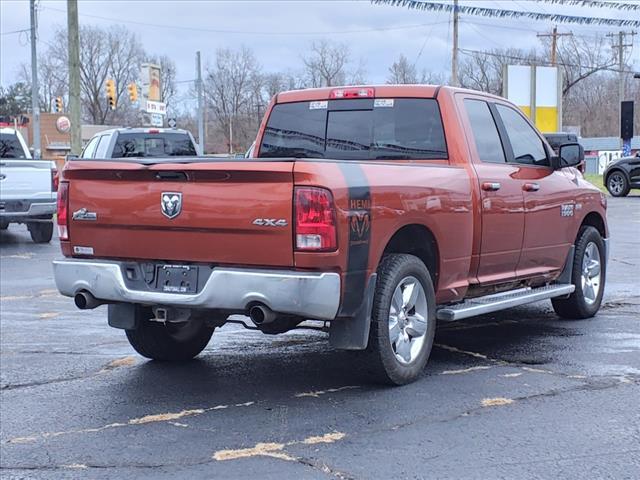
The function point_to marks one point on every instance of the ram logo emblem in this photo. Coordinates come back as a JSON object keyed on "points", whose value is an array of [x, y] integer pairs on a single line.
{"points": [[171, 204]]}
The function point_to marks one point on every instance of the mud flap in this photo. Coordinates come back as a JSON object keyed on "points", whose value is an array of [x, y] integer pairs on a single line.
{"points": [[126, 316], [567, 271], [352, 333]]}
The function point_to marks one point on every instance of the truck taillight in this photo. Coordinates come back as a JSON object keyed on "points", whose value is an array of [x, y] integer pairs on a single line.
{"points": [[315, 228], [55, 180], [63, 211]]}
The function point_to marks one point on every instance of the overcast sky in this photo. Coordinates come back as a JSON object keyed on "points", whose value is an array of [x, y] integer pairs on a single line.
{"points": [[280, 32]]}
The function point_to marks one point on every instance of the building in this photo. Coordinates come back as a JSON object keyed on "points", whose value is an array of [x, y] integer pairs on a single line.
{"points": [[601, 151], [55, 138]]}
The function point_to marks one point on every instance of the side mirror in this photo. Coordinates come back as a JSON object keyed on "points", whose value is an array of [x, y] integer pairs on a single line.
{"points": [[569, 155], [71, 156]]}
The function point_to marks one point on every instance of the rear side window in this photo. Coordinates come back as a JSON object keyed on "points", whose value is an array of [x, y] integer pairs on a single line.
{"points": [[90, 149], [103, 145], [10, 146], [362, 129], [525, 142], [153, 145], [485, 132]]}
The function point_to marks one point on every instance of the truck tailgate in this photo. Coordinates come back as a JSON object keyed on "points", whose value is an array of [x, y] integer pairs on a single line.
{"points": [[214, 212], [25, 179]]}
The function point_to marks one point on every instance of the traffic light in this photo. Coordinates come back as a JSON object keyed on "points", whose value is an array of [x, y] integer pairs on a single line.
{"points": [[133, 92], [110, 87], [58, 106]]}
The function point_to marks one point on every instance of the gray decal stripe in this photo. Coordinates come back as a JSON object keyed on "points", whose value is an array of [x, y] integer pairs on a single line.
{"points": [[360, 224]]}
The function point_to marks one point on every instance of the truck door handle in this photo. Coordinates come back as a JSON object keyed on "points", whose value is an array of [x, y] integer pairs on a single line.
{"points": [[531, 187], [491, 186]]}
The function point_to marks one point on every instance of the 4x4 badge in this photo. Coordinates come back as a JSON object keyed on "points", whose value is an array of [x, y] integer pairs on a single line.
{"points": [[171, 204]]}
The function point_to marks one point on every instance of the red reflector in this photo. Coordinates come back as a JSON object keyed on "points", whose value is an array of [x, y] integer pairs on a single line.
{"points": [[356, 92], [55, 179], [63, 211], [315, 220]]}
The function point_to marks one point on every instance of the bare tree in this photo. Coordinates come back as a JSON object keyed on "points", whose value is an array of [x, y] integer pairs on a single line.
{"points": [[326, 64], [114, 53], [484, 70], [579, 58], [402, 72], [231, 94]]}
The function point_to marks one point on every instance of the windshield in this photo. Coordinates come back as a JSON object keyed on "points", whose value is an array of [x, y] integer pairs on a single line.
{"points": [[10, 146], [154, 145], [361, 129]]}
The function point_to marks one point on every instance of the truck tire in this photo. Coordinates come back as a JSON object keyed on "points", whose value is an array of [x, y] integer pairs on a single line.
{"points": [[588, 276], [41, 232], [170, 341], [403, 320], [617, 184]]}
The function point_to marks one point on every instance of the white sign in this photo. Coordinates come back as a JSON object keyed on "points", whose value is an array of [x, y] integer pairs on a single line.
{"points": [[172, 122], [605, 157], [156, 120], [63, 124], [318, 105], [159, 108]]}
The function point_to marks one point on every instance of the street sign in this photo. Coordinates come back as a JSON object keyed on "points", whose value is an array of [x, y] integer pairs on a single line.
{"points": [[159, 108], [156, 120], [172, 122]]}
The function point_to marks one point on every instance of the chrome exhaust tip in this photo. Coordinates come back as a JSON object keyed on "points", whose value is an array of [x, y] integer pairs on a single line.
{"points": [[86, 301], [261, 314]]}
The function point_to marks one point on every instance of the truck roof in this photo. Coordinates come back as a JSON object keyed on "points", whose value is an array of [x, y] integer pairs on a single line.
{"points": [[376, 91], [141, 130]]}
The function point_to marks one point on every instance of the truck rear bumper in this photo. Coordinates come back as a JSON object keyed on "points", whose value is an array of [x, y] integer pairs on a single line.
{"points": [[306, 294], [12, 210]]}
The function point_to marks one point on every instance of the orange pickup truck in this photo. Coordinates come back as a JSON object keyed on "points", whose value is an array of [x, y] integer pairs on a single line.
{"points": [[375, 210]]}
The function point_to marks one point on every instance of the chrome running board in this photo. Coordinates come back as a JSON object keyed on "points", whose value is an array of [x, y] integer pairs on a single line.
{"points": [[501, 301]]}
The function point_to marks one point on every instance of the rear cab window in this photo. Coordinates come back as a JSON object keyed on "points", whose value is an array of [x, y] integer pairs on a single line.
{"points": [[485, 132], [356, 129], [159, 145], [10, 146]]}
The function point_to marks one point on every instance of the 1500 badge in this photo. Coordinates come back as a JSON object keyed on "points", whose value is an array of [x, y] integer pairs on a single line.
{"points": [[566, 210]]}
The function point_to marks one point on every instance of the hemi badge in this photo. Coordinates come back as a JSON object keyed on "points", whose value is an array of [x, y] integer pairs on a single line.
{"points": [[85, 215], [83, 250]]}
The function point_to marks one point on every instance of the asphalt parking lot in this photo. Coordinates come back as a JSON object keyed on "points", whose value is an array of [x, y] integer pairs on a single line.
{"points": [[518, 394]]}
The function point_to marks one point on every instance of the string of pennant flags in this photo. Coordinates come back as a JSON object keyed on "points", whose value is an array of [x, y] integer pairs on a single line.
{"points": [[504, 13], [595, 4]]}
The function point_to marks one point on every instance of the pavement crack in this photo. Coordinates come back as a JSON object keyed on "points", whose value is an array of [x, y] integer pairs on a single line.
{"points": [[168, 417]]}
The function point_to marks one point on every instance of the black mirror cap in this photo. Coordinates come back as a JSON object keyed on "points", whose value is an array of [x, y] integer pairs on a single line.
{"points": [[569, 155]]}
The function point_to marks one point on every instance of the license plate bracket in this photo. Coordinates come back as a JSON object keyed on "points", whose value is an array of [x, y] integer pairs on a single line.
{"points": [[177, 278]]}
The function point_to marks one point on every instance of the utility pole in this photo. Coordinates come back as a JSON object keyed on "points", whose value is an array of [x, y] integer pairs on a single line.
{"points": [[35, 97], [620, 47], [454, 52], [74, 76], [230, 134], [554, 42], [200, 104]]}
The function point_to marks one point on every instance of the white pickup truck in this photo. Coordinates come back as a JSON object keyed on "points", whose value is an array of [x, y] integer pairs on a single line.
{"points": [[27, 187]]}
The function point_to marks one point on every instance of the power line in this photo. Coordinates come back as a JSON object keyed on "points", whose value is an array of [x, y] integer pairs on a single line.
{"points": [[252, 32], [15, 31], [468, 51]]}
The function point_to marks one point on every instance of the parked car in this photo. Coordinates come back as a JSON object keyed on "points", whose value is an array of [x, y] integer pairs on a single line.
{"points": [[375, 210], [140, 142], [27, 187], [622, 175]]}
